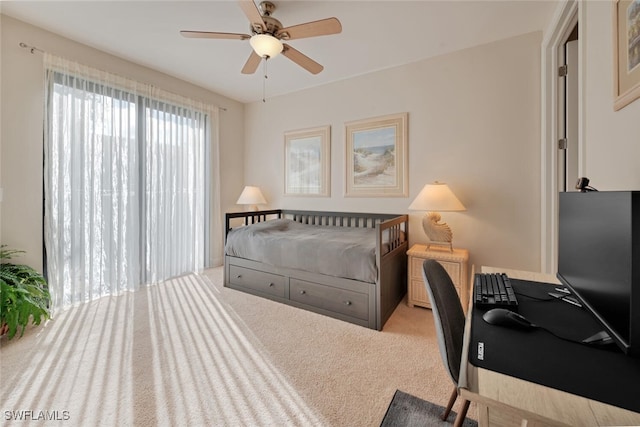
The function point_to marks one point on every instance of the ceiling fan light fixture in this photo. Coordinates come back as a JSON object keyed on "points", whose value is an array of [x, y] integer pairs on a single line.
{"points": [[266, 45]]}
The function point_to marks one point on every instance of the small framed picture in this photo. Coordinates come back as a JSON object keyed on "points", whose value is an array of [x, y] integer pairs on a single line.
{"points": [[626, 52], [376, 157], [307, 159]]}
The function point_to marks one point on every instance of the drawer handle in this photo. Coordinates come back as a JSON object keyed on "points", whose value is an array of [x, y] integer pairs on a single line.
{"points": [[271, 285], [347, 302], [238, 276], [302, 292]]}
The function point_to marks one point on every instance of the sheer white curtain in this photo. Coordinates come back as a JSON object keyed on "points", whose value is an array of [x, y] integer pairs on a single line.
{"points": [[174, 188], [128, 183]]}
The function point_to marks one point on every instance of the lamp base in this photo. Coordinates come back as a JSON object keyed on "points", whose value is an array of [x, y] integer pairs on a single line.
{"points": [[447, 245], [438, 233]]}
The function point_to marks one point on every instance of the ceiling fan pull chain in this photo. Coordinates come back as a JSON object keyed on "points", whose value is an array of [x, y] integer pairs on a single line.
{"points": [[264, 81]]}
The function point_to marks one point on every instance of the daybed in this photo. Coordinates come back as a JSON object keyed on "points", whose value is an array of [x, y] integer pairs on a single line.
{"points": [[350, 266]]}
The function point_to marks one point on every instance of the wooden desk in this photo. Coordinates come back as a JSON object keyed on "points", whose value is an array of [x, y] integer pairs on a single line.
{"points": [[503, 400]]}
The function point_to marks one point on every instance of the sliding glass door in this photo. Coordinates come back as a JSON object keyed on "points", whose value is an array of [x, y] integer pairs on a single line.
{"points": [[174, 181], [126, 186]]}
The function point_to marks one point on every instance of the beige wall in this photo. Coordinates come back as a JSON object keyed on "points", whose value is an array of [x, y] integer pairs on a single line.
{"points": [[22, 118], [612, 138], [474, 123]]}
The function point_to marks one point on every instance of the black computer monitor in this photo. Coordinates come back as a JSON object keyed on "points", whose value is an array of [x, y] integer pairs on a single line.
{"points": [[599, 259]]}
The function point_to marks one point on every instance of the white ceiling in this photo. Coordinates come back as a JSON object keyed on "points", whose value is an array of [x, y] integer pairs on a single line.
{"points": [[375, 35]]}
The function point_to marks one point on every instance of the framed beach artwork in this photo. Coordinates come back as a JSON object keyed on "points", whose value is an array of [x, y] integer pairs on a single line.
{"points": [[626, 52], [376, 157], [306, 162]]}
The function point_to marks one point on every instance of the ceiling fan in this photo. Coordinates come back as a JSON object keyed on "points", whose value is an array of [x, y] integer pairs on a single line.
{"points": [[267, 35]]}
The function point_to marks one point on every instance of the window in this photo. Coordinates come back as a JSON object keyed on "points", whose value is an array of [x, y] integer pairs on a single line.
{"points": [[126, 185]]}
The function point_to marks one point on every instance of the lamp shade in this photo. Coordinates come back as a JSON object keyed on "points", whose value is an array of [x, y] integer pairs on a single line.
{"points": [[266, 45], [436, 197], [251, 196]]}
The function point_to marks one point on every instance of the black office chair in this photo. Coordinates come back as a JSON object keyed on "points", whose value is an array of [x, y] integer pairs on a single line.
{"points": [[449, 320]]}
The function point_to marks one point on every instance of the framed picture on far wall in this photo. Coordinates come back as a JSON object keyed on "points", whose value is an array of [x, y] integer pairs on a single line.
{"points": [[307, 157], [626, 52], [376, 157]]}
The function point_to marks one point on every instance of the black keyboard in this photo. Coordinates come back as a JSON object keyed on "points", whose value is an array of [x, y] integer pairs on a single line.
{"points": [[493, 290]]}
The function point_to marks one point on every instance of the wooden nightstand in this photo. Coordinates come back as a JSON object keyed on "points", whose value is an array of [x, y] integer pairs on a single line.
{"points": [[455, 263]]}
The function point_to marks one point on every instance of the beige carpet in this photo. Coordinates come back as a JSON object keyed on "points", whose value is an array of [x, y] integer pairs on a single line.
{"points": [[191, 352]]}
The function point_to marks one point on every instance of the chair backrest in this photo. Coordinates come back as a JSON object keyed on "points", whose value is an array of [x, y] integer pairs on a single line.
{"points": [[447, 313]]}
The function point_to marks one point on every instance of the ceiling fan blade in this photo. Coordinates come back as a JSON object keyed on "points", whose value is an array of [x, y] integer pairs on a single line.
{"points": [[322, 27], [213, 35], [253, 14], [252, 63], [301, 59]]}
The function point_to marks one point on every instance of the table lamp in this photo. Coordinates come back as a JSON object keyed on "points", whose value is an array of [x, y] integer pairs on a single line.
{"points": [[434, 198], [251, 196]]}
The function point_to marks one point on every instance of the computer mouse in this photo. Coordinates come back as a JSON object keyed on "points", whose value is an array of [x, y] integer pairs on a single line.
{"points": [[508, 319]]}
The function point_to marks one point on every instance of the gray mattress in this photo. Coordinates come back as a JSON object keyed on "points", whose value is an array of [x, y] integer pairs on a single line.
{"points": [[335, 251]]}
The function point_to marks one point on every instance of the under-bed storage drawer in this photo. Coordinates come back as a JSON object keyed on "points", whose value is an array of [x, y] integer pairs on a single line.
{"points": [[354, 304], [267, 283]]}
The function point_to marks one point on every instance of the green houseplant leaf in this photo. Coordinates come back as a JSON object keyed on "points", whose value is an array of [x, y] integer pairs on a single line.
{"points": [[24, 294]]}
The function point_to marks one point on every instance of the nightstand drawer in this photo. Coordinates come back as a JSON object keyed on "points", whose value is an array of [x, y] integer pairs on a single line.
{"points": [[452, 268]]}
